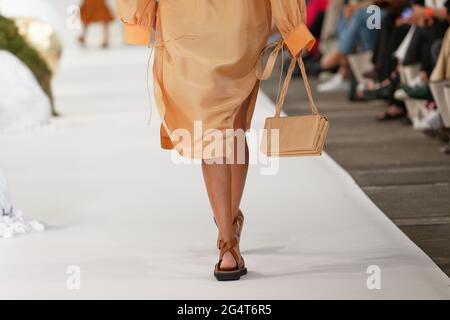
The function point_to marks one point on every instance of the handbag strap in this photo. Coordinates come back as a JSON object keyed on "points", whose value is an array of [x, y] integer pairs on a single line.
{"points": [[307, 87], [264, 74]]}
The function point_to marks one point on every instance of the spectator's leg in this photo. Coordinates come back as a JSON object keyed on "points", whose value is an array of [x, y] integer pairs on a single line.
{"points": [[413, 54], [334, 58], [390, 62], [356, 32], [350, 33]]}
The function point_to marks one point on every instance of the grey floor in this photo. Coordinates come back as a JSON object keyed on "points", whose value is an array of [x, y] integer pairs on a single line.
{"points": [[403, 171]]}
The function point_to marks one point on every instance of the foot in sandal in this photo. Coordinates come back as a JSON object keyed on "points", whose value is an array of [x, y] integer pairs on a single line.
{"points": [[231, 265]]}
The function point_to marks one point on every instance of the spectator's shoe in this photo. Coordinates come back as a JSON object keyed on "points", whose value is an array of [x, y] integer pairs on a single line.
{"points": [[388, 116], [432, 121], [400, 95], [336, 83], [421, 91], [385, 92], [392, 113], [313, 67], [381, 93], [416, 81]]}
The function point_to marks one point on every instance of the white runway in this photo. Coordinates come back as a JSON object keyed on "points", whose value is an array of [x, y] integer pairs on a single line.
{"points": [[139, 226]]}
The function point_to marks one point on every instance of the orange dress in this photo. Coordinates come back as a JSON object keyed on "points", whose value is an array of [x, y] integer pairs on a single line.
{"points": [[207, 53], [95, 11]]}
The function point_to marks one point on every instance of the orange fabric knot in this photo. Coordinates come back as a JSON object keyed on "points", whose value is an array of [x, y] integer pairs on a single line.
{"points": [[299, 39]]}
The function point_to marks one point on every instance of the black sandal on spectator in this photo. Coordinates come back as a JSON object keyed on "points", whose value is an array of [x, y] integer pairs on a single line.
{"points": [[387, 115]]}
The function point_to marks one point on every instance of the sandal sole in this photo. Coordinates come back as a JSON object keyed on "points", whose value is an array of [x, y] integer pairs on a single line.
{"points": [[230, 275]]}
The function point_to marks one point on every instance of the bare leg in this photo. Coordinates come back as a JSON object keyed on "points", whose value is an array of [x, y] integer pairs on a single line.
{"points": [[332, 59], [239, 168], [105, 35], [225, 185], [82, 38], [218, 185]]}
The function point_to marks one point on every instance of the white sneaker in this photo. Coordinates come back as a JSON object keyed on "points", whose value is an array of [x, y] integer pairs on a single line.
{"points": [[401, 95], [336, 83], [432, 121], [416, 81]]}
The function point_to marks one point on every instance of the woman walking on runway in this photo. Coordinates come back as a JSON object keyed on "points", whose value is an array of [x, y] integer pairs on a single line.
{"points": [[206, 57], [95, 11]]}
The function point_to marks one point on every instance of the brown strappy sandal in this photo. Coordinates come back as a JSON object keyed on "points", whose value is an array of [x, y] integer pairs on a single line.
{"points": [[239, 221], [230, 274]]}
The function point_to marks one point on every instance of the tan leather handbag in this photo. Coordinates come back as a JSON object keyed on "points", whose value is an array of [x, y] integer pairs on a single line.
{"points": [[293, 135]]}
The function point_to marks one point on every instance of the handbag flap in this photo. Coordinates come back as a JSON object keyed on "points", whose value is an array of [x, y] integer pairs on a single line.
{"points": [[294, 133]]}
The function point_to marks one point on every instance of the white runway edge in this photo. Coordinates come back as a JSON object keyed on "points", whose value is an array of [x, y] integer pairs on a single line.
{"points": [[139, 226]]}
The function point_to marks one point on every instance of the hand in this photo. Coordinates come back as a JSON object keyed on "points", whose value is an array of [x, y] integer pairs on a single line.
{"points": [[418, 16], [348, 11], [399, 22]]}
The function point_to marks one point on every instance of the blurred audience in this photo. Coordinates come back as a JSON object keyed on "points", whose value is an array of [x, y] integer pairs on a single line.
{"points": [[352, 31], [315, 15], [404, 61]]}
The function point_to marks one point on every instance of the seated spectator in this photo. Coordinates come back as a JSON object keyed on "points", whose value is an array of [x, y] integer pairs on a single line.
{"points": [[352, 31], [430, 24]]}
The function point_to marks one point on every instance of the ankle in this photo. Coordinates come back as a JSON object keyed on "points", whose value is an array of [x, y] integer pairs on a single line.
{"points": [[229, 237]]}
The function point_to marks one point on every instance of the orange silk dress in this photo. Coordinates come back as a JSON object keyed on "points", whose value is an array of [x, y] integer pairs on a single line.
{"points": [[95, 11], [207, 53]]}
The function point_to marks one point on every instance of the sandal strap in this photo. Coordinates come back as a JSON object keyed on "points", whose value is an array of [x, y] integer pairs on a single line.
{"points": [[229, 247], [238, 218]]}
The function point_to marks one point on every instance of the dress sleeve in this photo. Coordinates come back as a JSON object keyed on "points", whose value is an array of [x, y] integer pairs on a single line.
{"points": [[137, 17], [290, 18]]}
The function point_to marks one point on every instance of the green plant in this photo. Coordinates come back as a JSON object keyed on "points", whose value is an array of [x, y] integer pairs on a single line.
{"points": [[12, 41]]}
